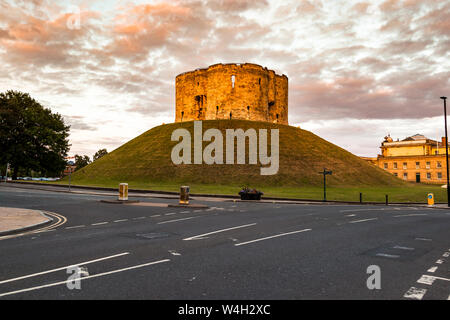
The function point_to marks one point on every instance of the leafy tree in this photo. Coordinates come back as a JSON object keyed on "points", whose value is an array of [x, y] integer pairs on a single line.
{"points": [[31, 136], [81, 161], [100, 153]]}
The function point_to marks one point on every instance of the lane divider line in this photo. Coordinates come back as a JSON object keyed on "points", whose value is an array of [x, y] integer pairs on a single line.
{"points": [[83, 278], [200, 236], [182, 219], [271, 237], [363, 220], [65, 267]]}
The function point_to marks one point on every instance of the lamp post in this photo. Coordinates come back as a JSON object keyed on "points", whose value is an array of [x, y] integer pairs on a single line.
{"points": [[446, 149], [325, 172]]}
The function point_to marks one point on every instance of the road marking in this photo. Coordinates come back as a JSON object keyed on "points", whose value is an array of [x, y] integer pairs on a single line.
{"points": [[427, 279], [171, 213], [403, 248], [122, 220], [174, 253], [170, 221], [139, 218], [411, 215], [423, 239], [275, 236], [62, 268], [385, 255], [432, 269], [350, 215], [415, 293], [356, 210], [439, 261], [84, 278], [200, 236], [155, 215], [184, 212], [363, 220], [80, 226], [99, 223], [446, 254]]}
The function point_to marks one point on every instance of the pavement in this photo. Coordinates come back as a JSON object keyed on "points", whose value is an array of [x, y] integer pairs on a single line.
{"points": [[14, 220], [232, 250]]}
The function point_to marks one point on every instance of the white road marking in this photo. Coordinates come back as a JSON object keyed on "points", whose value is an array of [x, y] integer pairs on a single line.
{"points": [[170, 221], [415, 293], [174, 253], [363, 220], [63, 268], [99, 223], [432, 269], [403, 248], [155, 215], [85, 278], [184, 211], [122, 220], [446, 254], [411, 215], [439, 261], [356, 210], [81, 226], [275, 236], [423, 239], [200, 236], [426, 279], [139, 218], [198, 210], [385, 255], [170, 214], [351, 215]]}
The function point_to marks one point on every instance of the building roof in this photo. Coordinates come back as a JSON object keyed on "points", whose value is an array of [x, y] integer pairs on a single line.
{"points": [[416, 137]]}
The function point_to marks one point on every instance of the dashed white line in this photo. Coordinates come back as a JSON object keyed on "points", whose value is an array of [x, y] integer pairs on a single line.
{"points": [[170, 213], [139, 218], [363, 220], [155, 215], [423, 239], [403, 248], [184, 211], [385, 255], [170, 221], [200, 236], [411, 215], [446, 254], [439, 261], [99, 223], [271, 237], [121, 220], [73, 227], [84, 278], [415, 293], [65, 267], [432, 269]]}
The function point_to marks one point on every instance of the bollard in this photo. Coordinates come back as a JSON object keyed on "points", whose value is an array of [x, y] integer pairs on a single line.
{"points": [[123, 192], [387, 200], [430, 199], [184, 195], [360, 197]]}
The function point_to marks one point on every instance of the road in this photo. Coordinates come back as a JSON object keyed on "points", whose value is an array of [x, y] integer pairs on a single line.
{"points": [[232, 250]]}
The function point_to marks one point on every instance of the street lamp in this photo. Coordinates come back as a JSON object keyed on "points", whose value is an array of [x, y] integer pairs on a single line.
{"points": [[446, 148]]}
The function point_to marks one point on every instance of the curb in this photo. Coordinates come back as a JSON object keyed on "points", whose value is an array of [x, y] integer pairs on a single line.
{"points": [[28, 228]]}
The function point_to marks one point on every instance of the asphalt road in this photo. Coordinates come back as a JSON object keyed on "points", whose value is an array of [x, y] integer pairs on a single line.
{"points": [[233, 250]]}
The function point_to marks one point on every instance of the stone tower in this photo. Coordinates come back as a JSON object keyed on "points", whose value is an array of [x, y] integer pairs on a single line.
{"points": [[237, 91]]}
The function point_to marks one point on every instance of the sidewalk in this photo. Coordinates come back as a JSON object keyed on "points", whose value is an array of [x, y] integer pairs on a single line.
{"points": [[14, 220]]}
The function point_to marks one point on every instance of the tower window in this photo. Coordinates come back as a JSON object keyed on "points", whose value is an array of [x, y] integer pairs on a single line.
{"points": [[233, 80], [248, 108], [231, 115], [277, 115]]}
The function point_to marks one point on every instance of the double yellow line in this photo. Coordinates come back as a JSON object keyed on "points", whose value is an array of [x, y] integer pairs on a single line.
{"points": [[59, 220]]}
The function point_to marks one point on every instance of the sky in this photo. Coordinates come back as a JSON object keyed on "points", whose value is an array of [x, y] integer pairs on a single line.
{"points": [[358, 70]]}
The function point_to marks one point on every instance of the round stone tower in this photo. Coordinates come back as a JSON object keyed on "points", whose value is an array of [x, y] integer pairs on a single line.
{"points": [[237, 91]]}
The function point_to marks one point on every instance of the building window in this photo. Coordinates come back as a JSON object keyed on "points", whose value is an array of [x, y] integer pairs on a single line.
{"points": [[405, 165], [439, 175], [385, 165], [405, 176], [395, 165], [417, 165], [396, 174], [428, 176], [436, 152], [438, 164], [233, 80], [428, 164]]}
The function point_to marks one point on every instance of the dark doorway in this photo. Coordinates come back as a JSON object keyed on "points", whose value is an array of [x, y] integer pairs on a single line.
{"points": [[417, 177]]}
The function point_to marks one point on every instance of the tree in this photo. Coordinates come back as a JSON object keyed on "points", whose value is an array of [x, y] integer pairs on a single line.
{"points": [[81, 161], [31, 136], [100, 153]]}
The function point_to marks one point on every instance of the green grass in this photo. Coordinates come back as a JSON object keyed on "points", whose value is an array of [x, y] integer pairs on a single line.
{"points": [[408, 193], [145, 163]]}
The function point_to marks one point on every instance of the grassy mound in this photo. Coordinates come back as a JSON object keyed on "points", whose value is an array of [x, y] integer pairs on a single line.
{"points": [[146, 161]]}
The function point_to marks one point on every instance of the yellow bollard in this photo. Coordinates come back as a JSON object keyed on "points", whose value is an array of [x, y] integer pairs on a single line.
{"points": [[184, 195], [123, 192], [430, 199]]}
